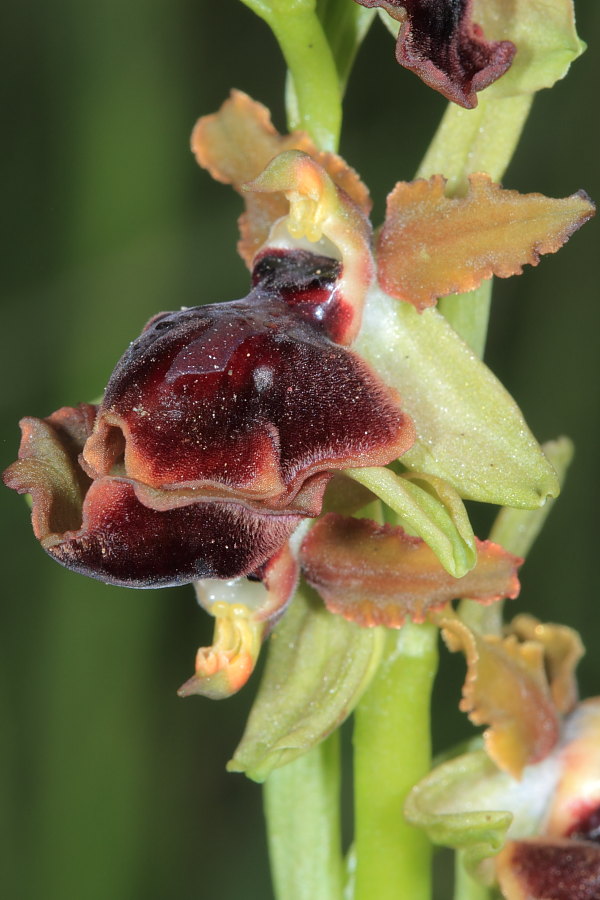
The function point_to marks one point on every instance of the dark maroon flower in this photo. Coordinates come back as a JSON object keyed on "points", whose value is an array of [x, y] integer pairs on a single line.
{"points": [[219, 430], [440, 43]]}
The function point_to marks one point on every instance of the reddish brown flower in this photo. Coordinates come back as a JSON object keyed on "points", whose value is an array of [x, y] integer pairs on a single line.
{"points": [[219, 430], [440, 43]]}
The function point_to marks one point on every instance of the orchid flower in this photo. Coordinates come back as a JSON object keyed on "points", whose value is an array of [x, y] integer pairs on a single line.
{"points": [[222, 425], [524, 809]]}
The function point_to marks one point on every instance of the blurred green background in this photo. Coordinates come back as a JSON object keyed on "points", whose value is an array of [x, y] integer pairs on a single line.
{"points": [[110, 786]]}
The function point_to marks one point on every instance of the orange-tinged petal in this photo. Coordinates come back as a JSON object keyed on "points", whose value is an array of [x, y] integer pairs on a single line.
{"points": [[432, 245], [541, 869], [562, 651], [237, 143], [506, 688], [223, 668], [378, 575]]}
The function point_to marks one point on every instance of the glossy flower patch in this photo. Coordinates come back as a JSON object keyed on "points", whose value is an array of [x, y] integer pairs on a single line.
{"points": [[218, 433]]}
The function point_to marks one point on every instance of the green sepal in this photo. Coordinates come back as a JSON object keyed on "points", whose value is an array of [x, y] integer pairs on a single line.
{"points": [[470, 431], [318, 667], [517, 529], [444, 804], [545, 37], [429, 507]]}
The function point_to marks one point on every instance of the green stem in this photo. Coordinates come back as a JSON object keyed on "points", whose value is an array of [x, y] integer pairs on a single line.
{"points": [[303, 825], [314, 98], [392, 752], [474, 140], [346, 25], [465, 887]]}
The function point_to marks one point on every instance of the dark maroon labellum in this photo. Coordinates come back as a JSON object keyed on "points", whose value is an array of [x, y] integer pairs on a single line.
{"points": [[557, 870], [440, 43], [219, 430]]}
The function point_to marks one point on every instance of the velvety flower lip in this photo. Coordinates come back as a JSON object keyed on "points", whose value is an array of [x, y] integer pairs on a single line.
{"points": [[440, 43], [245, 400], [100, 529], [217, 435]]}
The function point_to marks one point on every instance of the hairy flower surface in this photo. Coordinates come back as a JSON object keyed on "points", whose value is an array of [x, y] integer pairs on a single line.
{"points": [[439, 41], [218, 433]]}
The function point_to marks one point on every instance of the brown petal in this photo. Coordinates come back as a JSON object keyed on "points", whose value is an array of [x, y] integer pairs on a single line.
{"points": [[540, 869], [439, 42], [377, 575], [506, 688], [122, 542], [236, 144], [562, 651], [432, 245], [100, 528]]}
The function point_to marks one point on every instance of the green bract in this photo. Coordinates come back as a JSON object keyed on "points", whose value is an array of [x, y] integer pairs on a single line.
{"points": [[470, 432], [450, 805], [318, 668]]}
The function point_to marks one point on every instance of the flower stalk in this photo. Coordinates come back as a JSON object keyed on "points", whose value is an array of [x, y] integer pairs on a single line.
{"points": [[305, 848], [313, 97], [392, 750]]}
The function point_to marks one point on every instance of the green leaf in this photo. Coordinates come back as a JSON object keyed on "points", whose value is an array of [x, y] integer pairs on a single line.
{"points": [[318, 667], [470, 431], [428, 507], [545, 37]]}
